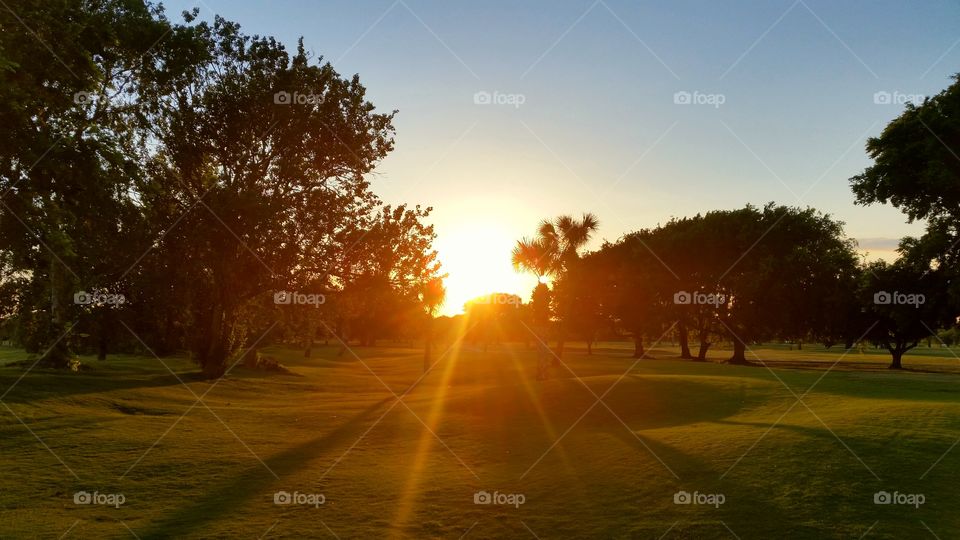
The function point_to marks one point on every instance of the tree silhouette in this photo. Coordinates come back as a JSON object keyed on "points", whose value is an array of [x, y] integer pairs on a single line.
{"points": [[432, 295]]}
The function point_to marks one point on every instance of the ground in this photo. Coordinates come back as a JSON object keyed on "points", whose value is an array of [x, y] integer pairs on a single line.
{"points": [[782, 468]]}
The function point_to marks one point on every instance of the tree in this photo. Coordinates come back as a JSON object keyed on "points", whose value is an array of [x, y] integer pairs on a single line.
{"points": [[256, 186], [432, 296], [385, 266], [579, 286], [556, 247], [536, 256], [916, 168], [791, 259], [66, 152], [906, 303], [629, 287], [567, 236], [749, 274]]}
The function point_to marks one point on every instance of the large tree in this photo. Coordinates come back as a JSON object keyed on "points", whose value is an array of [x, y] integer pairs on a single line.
{"points": [[251, 187], [67, 153], [916, 168], [785, 262], [905, 304]]}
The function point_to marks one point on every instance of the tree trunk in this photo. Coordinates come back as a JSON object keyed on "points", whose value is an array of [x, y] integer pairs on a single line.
{"points": [[543, 362], [589, 347], [544, 355], [638, 350], [684, 339], [427, 349], [739, 350], [897, 362], [102, 345], [58, 354], [702, 353], [558, 353], [213, 351], [214, 363]]}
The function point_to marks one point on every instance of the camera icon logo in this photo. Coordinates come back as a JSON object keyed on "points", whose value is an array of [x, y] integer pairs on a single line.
{"points": [[682, 298], [882, 298], [682, 497], [82, 497], [882, 497], [482, 497], [482, 98], [282, 98], [82, 298], [282, 497], [83, 97], [882, 97], [682, 98], [282, 297]]}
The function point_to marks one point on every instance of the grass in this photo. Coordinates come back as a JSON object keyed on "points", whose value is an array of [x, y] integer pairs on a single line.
{"points": [[786, 469]]}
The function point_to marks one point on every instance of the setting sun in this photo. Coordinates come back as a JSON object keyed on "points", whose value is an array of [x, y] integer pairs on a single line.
{"points": [[477, 258]]}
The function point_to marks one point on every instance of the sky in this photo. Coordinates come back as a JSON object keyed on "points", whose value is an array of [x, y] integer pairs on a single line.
{"points": [[510, 112]]}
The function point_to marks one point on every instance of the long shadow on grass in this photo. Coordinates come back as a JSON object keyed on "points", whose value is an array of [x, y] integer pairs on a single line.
{"points": [[40, 385], [680, 463], [256, 481], [696, 474], [818, 432]]}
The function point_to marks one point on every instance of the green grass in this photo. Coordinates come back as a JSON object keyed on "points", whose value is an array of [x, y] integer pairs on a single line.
{"points": [[329, 428]]}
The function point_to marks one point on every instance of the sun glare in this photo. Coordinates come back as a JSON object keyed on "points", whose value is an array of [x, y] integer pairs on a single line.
{"points": [[477, 259]]}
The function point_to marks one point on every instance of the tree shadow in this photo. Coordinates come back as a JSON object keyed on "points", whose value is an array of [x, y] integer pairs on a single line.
{"points": [[40, 385], [255, 480], [815, 432], [696, 474], [679, 463]]}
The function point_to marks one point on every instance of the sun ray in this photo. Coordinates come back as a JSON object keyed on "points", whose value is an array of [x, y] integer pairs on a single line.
{"points": [[427, 440]]}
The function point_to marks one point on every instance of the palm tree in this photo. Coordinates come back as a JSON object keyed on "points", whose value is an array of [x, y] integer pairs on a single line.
{"points": [[432, 294], [549, 254], [535, 256], [569, 235], [557, 243]]}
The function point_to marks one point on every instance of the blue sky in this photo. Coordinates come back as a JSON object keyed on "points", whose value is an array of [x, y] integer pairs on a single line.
{"points": [[598, 128]]}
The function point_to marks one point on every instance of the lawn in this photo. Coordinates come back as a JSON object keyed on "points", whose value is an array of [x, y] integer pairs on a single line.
{"points": [[763, 463]]}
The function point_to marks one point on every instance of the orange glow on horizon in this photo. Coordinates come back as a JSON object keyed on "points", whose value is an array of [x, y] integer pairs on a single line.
{"points": [[476, 257]]}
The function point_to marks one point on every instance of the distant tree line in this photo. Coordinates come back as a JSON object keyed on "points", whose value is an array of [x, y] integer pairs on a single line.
{"points": [[774, 273], [743, 277]]}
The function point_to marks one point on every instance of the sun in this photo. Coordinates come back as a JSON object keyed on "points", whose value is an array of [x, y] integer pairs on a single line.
{"points": [[476, 257]]}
